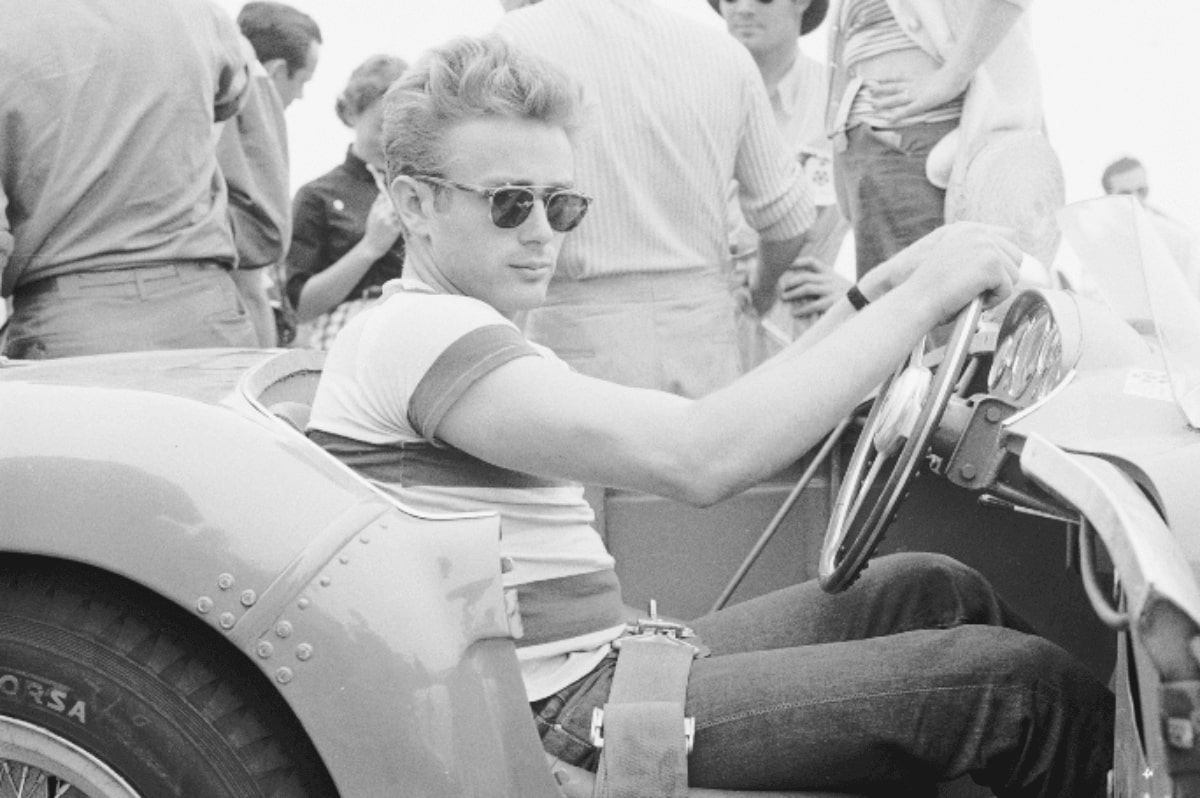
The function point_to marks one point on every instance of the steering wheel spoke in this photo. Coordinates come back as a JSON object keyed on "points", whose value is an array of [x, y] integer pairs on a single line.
{"points": [[892, 444]]}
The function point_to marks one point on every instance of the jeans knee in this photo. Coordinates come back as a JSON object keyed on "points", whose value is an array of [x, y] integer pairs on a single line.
{"points": [[925, 568], [950, 592]]}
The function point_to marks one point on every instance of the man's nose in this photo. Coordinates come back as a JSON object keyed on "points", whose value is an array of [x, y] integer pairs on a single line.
{"points": [[536, 228]]}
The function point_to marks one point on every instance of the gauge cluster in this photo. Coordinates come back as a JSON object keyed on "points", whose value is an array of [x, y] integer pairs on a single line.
{"points": [[1032, 358]]}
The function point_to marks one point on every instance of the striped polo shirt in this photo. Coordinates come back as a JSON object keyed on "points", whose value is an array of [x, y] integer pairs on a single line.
{"points": [[676, 110], [389, 379]]}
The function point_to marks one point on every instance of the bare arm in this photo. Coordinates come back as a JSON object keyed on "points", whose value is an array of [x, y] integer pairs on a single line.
{"points": [[774, 258], [531, 416], [328, 288]]}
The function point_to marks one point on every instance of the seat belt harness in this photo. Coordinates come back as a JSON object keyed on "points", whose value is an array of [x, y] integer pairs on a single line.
{"points": [[642, 733]]}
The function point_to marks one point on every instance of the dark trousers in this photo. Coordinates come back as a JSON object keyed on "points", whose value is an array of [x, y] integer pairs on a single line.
{"points": [[883, 190], [916, 674]]}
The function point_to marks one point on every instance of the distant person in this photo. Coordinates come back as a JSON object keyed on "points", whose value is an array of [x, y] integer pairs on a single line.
{"points": [[346, 240], [916, 91], [115, 234], [797, 87], [287, 42], [677, 112], [1128, 176], [253, 150]]}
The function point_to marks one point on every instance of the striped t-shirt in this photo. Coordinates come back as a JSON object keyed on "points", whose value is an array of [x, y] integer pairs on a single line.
{"points": [[872, 30], [389, 379]]}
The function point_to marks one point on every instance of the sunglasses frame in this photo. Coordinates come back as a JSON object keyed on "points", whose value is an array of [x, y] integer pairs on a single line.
{"points": [[543, 193]]}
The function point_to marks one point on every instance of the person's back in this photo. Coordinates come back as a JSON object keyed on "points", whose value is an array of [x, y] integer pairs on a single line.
{"points": [[677, 110], [107, 157]]}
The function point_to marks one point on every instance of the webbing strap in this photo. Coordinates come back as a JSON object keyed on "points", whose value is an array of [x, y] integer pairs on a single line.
{"points": [[644, 753]]}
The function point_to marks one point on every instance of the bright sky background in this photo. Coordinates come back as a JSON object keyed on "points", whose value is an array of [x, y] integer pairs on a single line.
{"points": [[1116, 76]]}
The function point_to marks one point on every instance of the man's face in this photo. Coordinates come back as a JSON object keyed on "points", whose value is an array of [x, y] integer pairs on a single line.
{"points": [[509, 269], [764, 27], [291, 87], [368, 136], [1131, 182]]}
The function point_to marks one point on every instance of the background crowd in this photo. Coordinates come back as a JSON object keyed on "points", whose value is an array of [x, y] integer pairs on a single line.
{"points": [[309, 255]]}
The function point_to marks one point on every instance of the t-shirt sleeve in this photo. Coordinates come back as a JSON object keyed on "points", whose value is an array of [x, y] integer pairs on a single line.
{"points": [[469, 358], [396, 370]]}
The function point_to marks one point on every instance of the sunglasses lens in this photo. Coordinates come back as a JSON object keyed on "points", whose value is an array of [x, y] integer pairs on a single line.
{"points": [[511, 206], [565, 210]]}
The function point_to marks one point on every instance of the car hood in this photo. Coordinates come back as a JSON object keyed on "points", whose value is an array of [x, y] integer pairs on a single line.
{"points": [[205, 375]]}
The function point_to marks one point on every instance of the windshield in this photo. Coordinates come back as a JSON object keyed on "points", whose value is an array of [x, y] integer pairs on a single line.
{"points": [[1112, 250]]}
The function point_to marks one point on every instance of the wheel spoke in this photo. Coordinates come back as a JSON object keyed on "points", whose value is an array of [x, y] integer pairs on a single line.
{"points": [[20, 780]]}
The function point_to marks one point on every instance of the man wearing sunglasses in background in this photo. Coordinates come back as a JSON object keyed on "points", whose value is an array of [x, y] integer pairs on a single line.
{"points": [[910, 676], [676, 112]]}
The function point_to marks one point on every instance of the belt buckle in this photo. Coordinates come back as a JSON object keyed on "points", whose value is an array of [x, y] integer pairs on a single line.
{"points": [[654, 626]]}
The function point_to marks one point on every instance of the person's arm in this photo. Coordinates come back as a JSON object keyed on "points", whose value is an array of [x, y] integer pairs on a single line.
{"points": [[532, 416], [6, 239], [328, 288], [233, 71], [771, 190], [988, 22], [251, 284], [774, 259]]}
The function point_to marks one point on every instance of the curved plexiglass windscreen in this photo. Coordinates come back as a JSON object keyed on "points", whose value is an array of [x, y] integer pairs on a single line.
{"points": [[1112, 252]]}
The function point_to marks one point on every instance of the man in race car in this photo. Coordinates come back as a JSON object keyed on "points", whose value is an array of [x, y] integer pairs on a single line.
{"points": [[916, 674]]}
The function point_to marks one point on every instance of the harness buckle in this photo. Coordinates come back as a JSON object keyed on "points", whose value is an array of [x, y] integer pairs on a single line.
{"points": [[596, 733], [655, 626]]}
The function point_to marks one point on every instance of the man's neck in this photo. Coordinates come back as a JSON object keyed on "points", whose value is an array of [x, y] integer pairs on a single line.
{"points": [[775, 64]]}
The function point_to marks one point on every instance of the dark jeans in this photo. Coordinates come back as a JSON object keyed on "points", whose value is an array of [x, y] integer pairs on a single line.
{"points": [[916, 674], [883, 190]]}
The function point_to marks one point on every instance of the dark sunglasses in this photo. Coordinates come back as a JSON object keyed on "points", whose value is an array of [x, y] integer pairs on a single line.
{"points": [[511, 205]]}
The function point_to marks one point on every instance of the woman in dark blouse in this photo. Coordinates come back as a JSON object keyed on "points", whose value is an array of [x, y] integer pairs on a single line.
{"points": [[346, 238]]}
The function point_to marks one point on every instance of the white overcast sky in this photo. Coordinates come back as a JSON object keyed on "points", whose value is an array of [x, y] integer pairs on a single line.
{"points": [[1118, 79]]}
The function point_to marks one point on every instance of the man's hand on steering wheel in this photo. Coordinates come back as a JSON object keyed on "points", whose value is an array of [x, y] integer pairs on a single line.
{"points": [[952, 266], [957, 269]]}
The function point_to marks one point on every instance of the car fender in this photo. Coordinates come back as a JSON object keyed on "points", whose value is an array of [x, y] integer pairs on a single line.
{"points": [[387, 633]]}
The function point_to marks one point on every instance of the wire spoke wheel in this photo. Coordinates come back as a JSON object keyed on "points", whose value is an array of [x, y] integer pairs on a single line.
{"points": [[893, 442], [36, 763]]}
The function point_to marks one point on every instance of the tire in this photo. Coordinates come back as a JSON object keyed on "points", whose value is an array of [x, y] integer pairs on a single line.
{"points": [[105, 686]]}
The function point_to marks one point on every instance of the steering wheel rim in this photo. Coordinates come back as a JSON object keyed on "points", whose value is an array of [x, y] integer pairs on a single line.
{"points": [[855, 530]]}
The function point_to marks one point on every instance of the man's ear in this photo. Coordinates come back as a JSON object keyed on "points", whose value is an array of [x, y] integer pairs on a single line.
{"points": [[277, 68], [413, 201]]}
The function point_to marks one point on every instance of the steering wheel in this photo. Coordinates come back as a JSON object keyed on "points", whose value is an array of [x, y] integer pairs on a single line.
{"points": [[895, 438]]}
